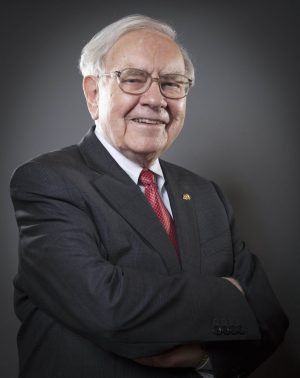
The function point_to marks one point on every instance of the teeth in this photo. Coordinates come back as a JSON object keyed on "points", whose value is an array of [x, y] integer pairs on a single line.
{"points": [[146, 120]]}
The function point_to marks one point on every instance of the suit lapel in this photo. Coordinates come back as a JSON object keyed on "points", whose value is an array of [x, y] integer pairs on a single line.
{"points": [[183, 209], [126, 198]]}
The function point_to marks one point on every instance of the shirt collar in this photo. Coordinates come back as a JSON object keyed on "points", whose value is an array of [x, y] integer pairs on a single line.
{"points": [[130, 167]]}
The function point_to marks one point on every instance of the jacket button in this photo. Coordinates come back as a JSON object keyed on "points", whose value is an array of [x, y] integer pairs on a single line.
{"points": [[227, 330], [217, 330]]}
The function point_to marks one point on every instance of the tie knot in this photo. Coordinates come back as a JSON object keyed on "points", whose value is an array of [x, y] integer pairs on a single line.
{"points": [[146, 177]]}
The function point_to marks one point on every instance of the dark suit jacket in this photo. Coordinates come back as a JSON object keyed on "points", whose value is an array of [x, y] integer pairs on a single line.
{"points": [[99, 282]]}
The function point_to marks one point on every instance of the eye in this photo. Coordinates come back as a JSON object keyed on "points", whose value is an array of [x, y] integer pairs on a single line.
{"points": [[133, 80], [132, 76], [175, 83], [171, 84]]}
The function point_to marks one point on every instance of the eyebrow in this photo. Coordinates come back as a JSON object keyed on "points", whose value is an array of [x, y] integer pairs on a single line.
{"points": [[143, 69]]}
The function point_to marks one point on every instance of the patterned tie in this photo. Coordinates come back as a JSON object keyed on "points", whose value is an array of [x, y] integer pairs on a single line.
{"points": [[151, 193]]}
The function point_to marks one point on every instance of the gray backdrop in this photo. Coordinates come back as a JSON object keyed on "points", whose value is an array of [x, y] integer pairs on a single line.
{"points": [[241, 129]]}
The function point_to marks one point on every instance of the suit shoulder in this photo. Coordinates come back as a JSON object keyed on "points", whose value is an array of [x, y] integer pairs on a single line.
{"points": [[40, 166], [66, 155]]}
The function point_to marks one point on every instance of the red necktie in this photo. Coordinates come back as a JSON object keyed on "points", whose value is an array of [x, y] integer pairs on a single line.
{"points": [[151, 193]]}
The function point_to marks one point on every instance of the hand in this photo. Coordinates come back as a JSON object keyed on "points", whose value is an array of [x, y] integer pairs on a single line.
{"points": [[235, 283], [184, 356]]}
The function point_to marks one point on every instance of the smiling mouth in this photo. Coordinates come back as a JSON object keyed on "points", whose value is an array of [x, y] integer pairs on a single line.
{"points": [[149, 121]]}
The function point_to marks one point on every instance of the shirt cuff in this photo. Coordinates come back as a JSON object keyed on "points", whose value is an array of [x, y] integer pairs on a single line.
{"points": [[204, 369]]}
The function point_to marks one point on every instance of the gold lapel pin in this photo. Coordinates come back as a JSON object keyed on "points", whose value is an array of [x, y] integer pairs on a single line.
{"points": [[186, 197]]}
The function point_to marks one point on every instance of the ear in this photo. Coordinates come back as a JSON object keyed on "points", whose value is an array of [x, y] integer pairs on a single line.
{"points": [[90, 89]]}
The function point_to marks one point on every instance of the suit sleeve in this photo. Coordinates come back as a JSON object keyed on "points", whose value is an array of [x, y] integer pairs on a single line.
{"points": [[128, 312], [239, 358]]}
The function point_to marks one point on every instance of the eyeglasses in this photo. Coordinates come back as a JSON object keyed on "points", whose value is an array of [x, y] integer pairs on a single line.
{"points": [[136, 82]]}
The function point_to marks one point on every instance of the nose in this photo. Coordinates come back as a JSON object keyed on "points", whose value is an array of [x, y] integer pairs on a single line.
{"points": [[153, 97]]}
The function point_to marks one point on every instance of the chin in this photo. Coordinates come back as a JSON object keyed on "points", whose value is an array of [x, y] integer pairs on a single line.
{"points": [[151, 151], [150, 145]]}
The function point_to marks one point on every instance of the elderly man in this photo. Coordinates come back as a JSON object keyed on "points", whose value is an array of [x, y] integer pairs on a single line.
{"points": [[131, 266]]}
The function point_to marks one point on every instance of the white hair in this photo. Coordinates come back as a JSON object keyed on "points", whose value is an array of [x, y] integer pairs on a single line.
{"points": [[93, 53]]}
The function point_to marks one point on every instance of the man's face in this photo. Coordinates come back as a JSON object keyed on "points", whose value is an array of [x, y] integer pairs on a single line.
{"points": [[141, 126]]}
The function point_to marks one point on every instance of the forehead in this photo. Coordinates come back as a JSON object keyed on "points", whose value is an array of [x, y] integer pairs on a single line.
{"points": [[148, 50]]}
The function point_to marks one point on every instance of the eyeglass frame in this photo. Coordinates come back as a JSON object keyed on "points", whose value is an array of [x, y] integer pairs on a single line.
{"points": [[118, 73]]}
